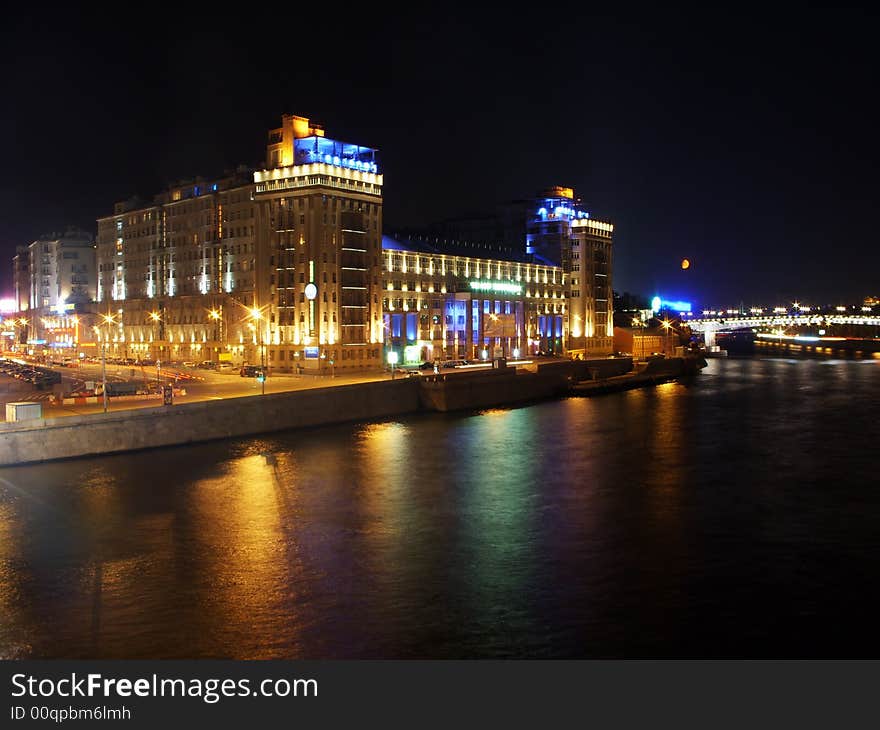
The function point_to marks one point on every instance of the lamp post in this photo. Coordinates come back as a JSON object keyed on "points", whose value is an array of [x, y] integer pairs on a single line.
{"points": [[23, 322], [217, 316], [392, 360], [667, 325], [257, 315], [108, 320], [156, 318], [75, 321]]}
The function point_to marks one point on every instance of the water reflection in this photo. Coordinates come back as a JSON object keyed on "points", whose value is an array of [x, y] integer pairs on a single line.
{"points": [[732, 515]]}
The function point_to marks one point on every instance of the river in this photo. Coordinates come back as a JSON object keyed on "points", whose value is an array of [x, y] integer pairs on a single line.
{"points": [[735, 515]]}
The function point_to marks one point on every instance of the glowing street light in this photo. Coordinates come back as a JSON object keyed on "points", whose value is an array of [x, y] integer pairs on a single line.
{"points": [[217, 316], [667, 325], [257, 315], [392, 361], [108, 320]]}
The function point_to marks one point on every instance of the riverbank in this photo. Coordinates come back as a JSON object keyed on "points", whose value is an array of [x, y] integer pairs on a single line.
{"points": [[182, 423]]}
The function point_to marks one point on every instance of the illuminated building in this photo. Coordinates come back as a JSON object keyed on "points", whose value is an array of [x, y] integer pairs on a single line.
{"points": [[591, 298], [562, 232], [61, 269], [319, 222], [54, 280], [554, 229], [443, 300], [179, 276], [21, 278]]}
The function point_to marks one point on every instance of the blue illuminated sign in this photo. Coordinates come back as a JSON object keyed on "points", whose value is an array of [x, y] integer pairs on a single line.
{"points": [[674, 306], [312, 352]]}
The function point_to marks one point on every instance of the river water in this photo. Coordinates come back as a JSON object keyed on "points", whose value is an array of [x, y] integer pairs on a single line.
{"points": [[736, 515]]}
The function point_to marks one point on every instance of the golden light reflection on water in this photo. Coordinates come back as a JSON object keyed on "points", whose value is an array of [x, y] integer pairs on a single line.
{"points": [[236, 528], [386, 474]]}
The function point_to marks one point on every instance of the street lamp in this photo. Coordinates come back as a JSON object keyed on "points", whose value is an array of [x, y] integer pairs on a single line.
{"points": [[257, 315], [108, 320], [23, 323], [392, 361], [217, 316], [667, 325], [156, 318]]}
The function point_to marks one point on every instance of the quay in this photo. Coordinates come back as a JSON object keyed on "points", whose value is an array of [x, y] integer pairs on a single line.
{"points": [[183, 423]]}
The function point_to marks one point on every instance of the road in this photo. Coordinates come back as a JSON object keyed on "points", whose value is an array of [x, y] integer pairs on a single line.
{"points": [[200, 385]]}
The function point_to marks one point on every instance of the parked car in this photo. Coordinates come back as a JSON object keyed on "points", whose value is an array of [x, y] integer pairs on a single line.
{"points": [[250, 371], [225, 365], [188, 364], [207, 365]]}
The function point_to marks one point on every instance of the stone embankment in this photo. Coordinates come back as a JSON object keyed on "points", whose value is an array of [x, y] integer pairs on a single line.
{"points": [[182, 423]]}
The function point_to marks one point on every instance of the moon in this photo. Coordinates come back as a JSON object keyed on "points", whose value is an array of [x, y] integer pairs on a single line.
{"points": [[685, 263]]}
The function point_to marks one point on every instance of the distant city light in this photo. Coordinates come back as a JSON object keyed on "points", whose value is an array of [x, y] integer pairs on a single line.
{"points": [[7, 306]]}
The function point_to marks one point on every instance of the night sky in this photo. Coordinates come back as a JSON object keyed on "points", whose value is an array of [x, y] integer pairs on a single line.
{"points": [[745, 142]]}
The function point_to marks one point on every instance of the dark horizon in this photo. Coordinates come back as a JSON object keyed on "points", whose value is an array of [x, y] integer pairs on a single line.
{"points": [[745, 146]]}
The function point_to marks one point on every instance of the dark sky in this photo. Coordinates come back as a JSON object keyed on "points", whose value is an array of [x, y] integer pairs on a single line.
{"points": [[745, 142]]}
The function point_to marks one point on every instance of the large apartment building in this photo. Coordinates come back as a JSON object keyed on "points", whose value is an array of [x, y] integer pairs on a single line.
{"points": [[54, 284], [177, 279]]}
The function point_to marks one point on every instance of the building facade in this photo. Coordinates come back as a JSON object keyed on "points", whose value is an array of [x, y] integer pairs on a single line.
{"points": [[21, 278], [177, 279], [319, 226], [443, 301], [276, 267], [61, 270], [54, 280], [591, 299]]}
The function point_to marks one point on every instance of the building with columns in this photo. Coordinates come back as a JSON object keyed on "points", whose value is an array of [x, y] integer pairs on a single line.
{"points": [[444, 300]]}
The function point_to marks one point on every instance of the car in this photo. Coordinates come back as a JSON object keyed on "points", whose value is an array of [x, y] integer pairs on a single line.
{"points": [[453, 363], [426, 366], [225, 365], [207, 365], [250, 371]]}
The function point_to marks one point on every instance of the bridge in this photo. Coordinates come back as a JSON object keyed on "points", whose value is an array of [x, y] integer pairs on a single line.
{"points": [[769, 322], [816, 332]]}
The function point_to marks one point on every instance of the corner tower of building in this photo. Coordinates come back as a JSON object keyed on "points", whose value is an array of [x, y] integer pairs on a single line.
{"points": [[561, 232], [319, 226]]}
